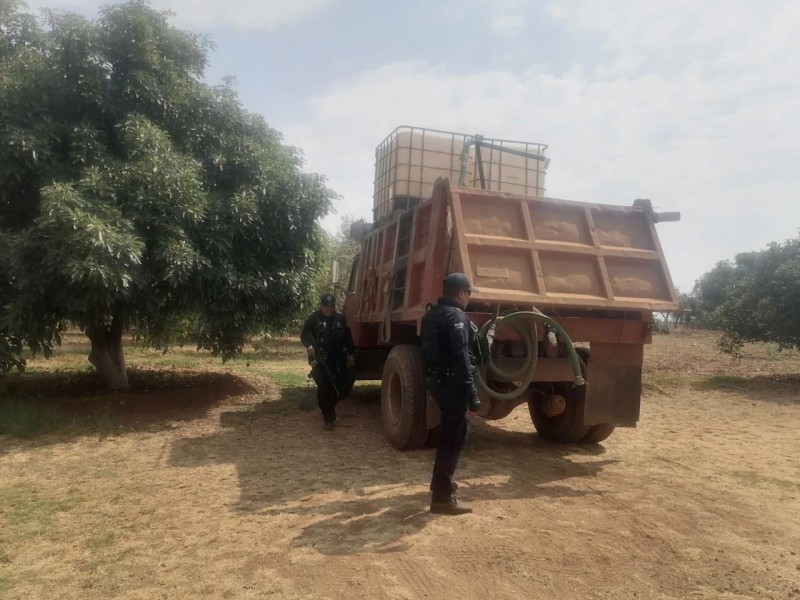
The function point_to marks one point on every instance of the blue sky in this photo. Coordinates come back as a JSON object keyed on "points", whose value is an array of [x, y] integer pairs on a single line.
{"points": [[692, 104]]}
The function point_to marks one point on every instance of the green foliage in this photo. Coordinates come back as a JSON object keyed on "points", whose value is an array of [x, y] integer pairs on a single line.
{"points": [[760, 295], [710, 291], [10, 349], [340, 247], [131, 193]]}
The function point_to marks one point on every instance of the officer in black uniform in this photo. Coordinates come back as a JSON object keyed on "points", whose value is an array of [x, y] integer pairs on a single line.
{"points": [[331, 352], [449, 352]]}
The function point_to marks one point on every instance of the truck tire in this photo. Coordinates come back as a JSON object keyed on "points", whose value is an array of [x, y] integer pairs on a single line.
{"points": [[403, 398], [567, 427], [598, 433]]}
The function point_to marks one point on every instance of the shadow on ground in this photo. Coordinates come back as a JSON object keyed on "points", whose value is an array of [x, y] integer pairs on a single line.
{"points": [[779, 388], [360, 493], [71, 404]]}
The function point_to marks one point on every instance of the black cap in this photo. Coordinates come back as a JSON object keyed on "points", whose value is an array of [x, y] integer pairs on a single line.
{"points": [[459, 281], [327, 300]]}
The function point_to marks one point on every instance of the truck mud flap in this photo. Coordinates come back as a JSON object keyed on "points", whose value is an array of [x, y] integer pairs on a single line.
{"points": [[614, 388]]}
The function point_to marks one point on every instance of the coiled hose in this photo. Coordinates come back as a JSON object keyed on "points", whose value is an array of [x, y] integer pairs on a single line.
{"points": [[525, 373]]}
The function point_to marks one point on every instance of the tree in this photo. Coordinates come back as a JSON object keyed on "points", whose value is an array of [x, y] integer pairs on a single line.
{"points": [[132, 195], [689, 309], [341, 248], [711, 290], [762, 294]]}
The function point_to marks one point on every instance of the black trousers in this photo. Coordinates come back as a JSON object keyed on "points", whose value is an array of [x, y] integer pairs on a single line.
{"points": [[326, 397], [452, 400]]}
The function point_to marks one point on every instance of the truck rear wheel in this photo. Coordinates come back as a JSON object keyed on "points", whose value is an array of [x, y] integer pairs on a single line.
{"points": [[403, 398], [557, 412], [598, 433], [566, 427]]}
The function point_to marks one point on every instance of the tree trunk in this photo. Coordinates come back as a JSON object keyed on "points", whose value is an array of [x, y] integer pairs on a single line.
{"points": [[107, 355]]}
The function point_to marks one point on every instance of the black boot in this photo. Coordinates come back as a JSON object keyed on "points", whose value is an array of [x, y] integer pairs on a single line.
{"points": [[449, 505]]}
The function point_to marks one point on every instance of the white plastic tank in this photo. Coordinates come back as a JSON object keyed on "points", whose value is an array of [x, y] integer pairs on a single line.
{"points": [[410, 160]]}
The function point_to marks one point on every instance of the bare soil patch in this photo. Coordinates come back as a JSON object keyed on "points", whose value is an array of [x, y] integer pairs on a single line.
{"points": [[251, 499]]}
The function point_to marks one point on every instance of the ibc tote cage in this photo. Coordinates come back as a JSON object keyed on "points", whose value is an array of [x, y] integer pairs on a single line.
{"points": [[410, 159]]}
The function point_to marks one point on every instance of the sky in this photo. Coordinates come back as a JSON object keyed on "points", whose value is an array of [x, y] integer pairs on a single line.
{"points": [[694, 105]]}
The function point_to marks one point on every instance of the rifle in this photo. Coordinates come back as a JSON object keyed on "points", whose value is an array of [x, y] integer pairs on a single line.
{"points": [[320, 359]]}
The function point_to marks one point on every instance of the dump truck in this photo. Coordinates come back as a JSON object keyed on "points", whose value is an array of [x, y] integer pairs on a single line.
{"points": [[566, 289]]}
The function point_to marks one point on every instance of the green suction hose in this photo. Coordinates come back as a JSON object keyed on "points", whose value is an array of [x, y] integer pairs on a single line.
{"points": [[526, 373]]}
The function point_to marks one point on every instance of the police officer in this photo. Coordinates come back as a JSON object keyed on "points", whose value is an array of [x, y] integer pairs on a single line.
{"points": [[330, 349], [449, 353]]}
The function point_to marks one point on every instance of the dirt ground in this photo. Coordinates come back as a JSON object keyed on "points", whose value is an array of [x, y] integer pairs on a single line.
{"points": [[240, 494]]}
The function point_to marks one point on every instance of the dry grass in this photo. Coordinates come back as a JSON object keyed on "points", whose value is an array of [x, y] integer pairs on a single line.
{"points": [[693, 355], [690, 359], [227, 488]]}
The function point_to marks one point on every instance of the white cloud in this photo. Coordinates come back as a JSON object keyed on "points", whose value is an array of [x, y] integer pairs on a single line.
{"points": [[265, 15], [694, 111], [507, 24], [503, 17], [724, 34], [246, 14]]}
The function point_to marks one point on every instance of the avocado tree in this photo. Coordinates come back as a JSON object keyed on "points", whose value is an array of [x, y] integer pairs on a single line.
{"points": [[710, 291], [762, 299], [133, 195]]}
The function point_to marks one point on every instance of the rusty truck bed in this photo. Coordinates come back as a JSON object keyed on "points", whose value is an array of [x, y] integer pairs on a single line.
{"points": [[519, 250]]}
